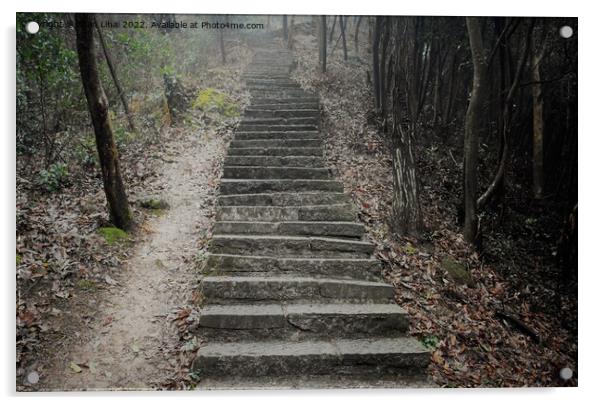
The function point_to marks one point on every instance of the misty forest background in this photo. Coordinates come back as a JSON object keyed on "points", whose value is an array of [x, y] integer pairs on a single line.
{"points": [[456, 138]]}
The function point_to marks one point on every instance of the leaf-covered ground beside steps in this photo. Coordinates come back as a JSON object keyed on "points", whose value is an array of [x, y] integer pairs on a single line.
{"points": [[470, 323], [67, 271]]}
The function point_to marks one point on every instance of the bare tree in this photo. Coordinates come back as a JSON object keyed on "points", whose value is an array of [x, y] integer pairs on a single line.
{"points": [[113, 72], [98, 105], [407, 216], [473, 128], [342, 26], [355, 37], [285, 28]]}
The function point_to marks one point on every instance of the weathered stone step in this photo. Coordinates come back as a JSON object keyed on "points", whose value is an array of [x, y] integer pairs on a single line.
{"points": [[301, 321], [283, 199], [307, 228], [240, 186], [300, 151], [252, 135], [292, 246], [256, 101], [339, 212], [291, 161], [277, 143], [284, 113], [277, 127], [274, 172], [355, 269], [233, 290], [291, 105], [279, 121], [272, 82], [401, 355]]}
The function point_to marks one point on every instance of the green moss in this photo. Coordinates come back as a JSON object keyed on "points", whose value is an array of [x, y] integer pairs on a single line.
{"points": [[409, 249], [19, 258], [154, 204], [212, 100], [457, 271], [430, 341], [113, 235], [86, 285]]}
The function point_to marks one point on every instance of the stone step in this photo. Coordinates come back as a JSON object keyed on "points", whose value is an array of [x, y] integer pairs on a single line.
{"points": [[339, 212], [285, 83], [292, 246], [251, 135], [404, 356], [277, 127], [228, 323], [283, 199], [306, 228], [277, 143], [284, 113], [291, 105], [300, 151], [290, 161], [289, 288], [274, 172], [279, 121], [256, 101], [354, 269], [245, 186]]}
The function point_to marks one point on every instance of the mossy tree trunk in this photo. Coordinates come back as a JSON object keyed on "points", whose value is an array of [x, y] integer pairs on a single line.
{"points": [[114, 189]]}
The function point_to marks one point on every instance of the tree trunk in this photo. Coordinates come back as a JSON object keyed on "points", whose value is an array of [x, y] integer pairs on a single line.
{"points": [[291, 33], [383, 67], [285, 28], [98, 105], [113, 71], [538, 130], [375, 62], [507, 118], [334, 24], [357, 31], [222, 47], [407, 217], [322, 40], [342, 25], [473, 128]]}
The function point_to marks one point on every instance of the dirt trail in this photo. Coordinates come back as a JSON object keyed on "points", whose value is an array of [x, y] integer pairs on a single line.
{"points": [[130, 343]]}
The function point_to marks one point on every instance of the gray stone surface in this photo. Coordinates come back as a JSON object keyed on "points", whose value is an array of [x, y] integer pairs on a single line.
{"points": [[291, 294]]}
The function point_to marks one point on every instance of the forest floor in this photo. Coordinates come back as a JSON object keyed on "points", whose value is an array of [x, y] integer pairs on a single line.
{"points": [[110, 311], [494, 317]]}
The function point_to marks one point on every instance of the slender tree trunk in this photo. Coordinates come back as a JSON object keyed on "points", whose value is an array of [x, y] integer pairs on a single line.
{"points": [[383, 67], [334, 24], [507, 117], [285, 28], [355, 37], [291, 33], [342, 25], [407, 216], [113, 71], [375, 62], [222, 47], [268, 22], [322, 40], [98, 105], [538, 130], [473, 128]]}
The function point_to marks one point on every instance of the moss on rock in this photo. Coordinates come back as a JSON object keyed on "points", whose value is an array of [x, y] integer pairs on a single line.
{"points": [[457, 271], [113, 235], [211, 100]]}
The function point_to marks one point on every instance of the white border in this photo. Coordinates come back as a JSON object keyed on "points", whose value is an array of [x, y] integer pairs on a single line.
{"points": [[590, 148]]}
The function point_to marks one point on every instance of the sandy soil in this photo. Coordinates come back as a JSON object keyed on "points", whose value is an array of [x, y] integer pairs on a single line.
{"points": [[130, 341]]}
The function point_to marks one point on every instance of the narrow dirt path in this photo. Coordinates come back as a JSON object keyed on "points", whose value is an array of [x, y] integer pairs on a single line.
{"points": [[131, 341]]}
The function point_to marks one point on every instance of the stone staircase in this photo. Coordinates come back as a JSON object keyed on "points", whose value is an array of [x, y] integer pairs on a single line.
{"points": [[290, 287]]}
